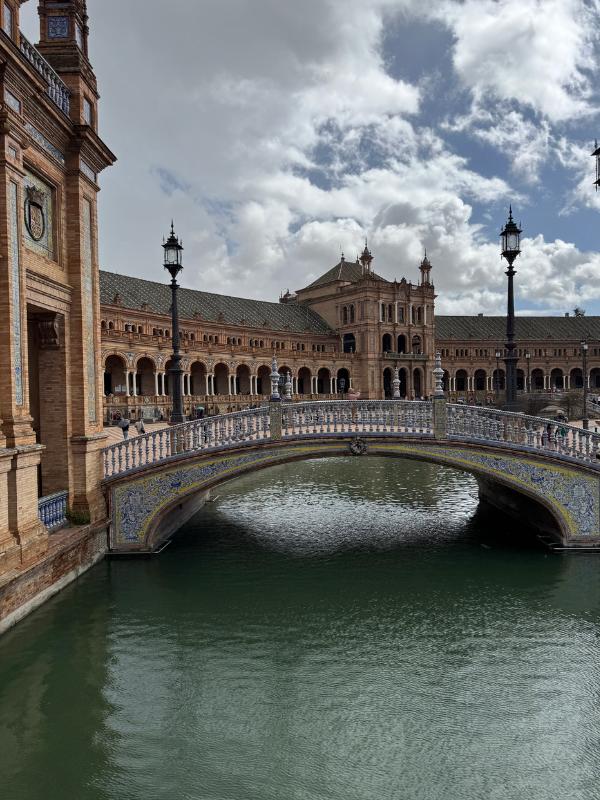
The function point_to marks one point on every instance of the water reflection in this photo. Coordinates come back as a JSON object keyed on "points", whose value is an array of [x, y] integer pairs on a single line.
{"points": [[320, 631]]}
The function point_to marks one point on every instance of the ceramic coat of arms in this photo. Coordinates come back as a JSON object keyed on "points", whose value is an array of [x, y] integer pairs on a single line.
{"points": [[35, 219]]}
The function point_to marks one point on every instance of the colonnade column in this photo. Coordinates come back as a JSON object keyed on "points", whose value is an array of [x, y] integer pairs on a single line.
{"points": [[156, 383]]}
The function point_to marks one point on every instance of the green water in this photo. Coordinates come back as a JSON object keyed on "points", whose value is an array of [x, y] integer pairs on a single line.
{"points": [[376, 638]]}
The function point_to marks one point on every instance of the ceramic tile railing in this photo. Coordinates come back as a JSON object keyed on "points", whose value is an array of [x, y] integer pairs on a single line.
{"points": [[52, 510], [476, 424], [210, 433], [57, 89], [384, 417], [371, 418]]}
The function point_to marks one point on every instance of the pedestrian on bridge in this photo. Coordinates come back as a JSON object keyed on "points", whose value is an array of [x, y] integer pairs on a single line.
{"points": [[123, 423]]}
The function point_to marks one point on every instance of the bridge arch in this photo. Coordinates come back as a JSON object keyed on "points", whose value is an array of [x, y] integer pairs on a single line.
{"points": [[181, 490]]}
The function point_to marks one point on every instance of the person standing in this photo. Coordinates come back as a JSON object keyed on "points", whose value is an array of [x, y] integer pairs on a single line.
{"points": [[123, 423]]}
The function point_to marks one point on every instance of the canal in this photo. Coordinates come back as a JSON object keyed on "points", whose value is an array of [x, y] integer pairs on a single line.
{"points": [[349, 629]]}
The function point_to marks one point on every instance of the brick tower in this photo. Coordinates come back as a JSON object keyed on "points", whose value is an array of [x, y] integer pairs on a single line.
{"points": [[50, 386]]}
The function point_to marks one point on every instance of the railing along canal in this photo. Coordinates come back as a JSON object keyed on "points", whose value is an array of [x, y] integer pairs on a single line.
{"points": [[52, 510], [393, 418]]}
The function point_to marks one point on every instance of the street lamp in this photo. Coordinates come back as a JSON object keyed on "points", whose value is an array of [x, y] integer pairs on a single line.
{"points": [[510, 238], [584, 348], [173, 264], [498, 354], [528, 359]]}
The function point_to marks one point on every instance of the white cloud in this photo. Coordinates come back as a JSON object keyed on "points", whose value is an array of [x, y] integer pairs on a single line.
{"points": [[274, 134], [535, 52]]}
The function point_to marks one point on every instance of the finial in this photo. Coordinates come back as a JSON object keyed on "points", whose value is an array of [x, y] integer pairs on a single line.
{"points": [[438, 374], [510, 216], [172, 228]]}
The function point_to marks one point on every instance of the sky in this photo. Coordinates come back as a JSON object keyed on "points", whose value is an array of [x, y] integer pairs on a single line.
{"points": [[278, 134]]}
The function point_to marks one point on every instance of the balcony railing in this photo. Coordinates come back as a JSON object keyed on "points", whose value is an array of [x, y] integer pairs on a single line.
{"points": [[405, 356], [52, 510], [57, 89]]}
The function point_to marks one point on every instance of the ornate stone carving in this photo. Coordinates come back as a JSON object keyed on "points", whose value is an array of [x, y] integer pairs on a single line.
{"points": [[358, 446], [48, 333]]}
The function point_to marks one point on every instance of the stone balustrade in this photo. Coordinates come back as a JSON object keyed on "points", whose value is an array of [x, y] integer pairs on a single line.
{"points": [[52, 510], [57, 89], [362, 418]]}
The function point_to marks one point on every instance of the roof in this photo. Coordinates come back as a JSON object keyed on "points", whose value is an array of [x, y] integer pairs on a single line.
{"points": [[219, 308], [347, 271], [494, 328]]}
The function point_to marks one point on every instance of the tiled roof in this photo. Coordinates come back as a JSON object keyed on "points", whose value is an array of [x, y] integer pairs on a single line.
{"points": [[134, 292], [528, 328], [348, 271]]}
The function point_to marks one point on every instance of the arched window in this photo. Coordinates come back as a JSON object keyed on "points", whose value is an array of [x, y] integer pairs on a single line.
{"points": [[386, 343], [352, 313], [345, 315]]}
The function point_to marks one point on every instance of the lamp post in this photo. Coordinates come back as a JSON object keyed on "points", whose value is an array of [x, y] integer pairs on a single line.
{"points": [[497, 387], [173, 264], [511, 238], [584, 348], [528, 359]]}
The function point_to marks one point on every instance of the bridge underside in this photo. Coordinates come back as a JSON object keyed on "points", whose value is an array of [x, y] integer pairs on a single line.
{"points": [[146, 508]]}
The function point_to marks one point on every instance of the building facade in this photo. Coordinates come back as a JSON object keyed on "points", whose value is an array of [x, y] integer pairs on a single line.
{"points": [[50, 383], [349, 329]]}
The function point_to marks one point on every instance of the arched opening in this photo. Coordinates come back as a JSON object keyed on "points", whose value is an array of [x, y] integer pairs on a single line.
{"points": [[343, 380], [416, 345], [499, 380], [402, 374], [168, 378], [345, 315], [576, 378], [537, 380], [349, 343], [460, 381], [263, 381], [115, 376], [221, 373], [402, 343], [242, 379], [351, 314], [520, 380], [386, 343], [446, 381], [479, 380], [418, 383], [557, 380], [304, 382], [198, 378], [387, 383], [144, 377], [323, 381], [595, 378]]}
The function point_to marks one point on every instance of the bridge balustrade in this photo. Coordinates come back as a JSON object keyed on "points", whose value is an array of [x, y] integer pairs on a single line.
{"points": [[473, 423], [209, 433], [394, 418]]}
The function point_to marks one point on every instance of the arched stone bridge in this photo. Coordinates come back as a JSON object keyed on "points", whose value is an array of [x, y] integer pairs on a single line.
{"points": [[154, 483]]}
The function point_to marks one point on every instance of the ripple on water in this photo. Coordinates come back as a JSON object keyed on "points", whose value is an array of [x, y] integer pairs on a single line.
{"points": [[322, 630]]}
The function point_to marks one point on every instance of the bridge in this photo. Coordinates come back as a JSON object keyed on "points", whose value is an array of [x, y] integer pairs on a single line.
{"points": [[542, 470]]}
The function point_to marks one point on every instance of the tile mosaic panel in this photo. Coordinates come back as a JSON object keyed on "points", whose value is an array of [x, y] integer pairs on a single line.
{"points": [[573, 495], [44, 245], [88, 308], [15, 266], [45, 143], [58, 27], [87, 170], [12, 101]]}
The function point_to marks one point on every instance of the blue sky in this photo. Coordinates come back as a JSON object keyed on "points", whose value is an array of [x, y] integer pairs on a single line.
{"points": [[278, 133]]}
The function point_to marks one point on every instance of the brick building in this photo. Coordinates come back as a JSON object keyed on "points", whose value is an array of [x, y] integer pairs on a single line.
{"points": [[50, 384], [348, 329]]}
